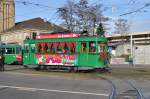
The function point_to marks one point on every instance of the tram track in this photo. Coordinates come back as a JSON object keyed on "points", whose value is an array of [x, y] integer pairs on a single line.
{"points": [[139, 93], [132, 92], [113, 87]]}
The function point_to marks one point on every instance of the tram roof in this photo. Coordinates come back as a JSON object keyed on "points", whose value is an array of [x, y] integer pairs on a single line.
{"points": [[9, 46], [103, 39]]}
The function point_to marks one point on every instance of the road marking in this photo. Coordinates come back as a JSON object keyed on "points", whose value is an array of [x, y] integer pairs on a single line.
{"points": [[25, 74], [48, 90]]}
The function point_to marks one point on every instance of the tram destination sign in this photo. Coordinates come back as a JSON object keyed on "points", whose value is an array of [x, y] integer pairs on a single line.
{"points": [[64, 35]]}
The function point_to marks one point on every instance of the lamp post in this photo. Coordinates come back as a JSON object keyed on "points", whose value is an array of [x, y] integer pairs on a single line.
{"points": [[131, 47]]}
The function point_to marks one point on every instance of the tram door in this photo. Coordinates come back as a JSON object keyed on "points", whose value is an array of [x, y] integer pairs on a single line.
{"points": [[26, 54], [83, 54], [32, 53]]}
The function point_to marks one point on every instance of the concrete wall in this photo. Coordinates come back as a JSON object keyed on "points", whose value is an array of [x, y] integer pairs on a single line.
{"points": [[142, 54], [123, 49]]}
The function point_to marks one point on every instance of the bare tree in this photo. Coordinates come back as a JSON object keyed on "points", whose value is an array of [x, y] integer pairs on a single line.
{"points": [[121, 26], [66, 13], [81, 16]]}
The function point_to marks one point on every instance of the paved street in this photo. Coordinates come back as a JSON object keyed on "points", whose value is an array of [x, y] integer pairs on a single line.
{"points": [[19, 83], [22, 86]]}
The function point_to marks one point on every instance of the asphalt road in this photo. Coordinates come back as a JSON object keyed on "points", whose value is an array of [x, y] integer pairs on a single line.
{"points": [[22, 86], [14, 85]]}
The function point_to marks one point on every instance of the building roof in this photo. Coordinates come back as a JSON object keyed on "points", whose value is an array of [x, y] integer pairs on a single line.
{"points": [[37, 23], [128, 34]]}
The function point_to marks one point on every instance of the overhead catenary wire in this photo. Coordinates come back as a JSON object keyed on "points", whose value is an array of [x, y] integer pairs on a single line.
{"points": [[25, 14], [137, 10], [30, 3], [25, 3], [131, 2]]}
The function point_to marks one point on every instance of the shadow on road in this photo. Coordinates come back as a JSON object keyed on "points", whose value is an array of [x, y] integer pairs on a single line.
{"points": [[13, 67]]}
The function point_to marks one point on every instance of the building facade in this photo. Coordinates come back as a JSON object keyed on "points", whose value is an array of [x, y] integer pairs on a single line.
{"points": [[134, 45], [7, 15], [27, 29]]}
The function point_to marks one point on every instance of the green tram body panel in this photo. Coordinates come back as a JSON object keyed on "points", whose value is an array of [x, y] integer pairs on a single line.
{"points": [[12, 53], [80, 59]]}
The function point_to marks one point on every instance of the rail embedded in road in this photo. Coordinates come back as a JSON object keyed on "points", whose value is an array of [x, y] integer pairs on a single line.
{"points": [[139, 93]]}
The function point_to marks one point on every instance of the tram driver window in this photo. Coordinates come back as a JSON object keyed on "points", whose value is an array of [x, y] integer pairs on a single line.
{"points": [[92, 47]]}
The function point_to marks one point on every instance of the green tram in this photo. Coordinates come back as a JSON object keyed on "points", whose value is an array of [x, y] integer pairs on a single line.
{"points": [[69, 50], [12, 53]]}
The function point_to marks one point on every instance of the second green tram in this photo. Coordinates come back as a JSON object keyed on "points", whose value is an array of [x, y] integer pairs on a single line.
{"points": [[70, 52], [12, 53]]}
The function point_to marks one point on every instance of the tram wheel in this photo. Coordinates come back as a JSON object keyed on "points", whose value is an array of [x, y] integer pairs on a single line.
{"points": [[103, 70], [38, 68], [45, 68], [25, 66], [73, 69]]}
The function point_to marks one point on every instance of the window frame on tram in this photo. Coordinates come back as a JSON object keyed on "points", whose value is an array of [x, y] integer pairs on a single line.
{"points": [[56, 48]]}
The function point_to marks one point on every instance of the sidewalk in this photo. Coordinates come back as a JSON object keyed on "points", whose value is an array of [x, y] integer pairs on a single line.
{"points": [[129, 66]]}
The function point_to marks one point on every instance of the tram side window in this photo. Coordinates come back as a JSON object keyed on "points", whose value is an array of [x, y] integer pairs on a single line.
{"points": [[52, 49], [26, 49], [92, 47], [33, 48], [18, 50], [83, 47], [102, 47], [3, 50], [66, 49], [72, 48], [59, 49], [9, 51], [46, 49], [39, 48]]}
